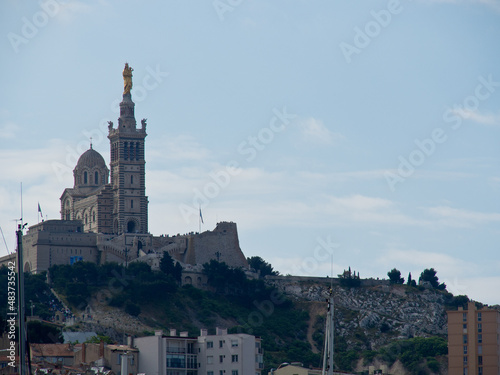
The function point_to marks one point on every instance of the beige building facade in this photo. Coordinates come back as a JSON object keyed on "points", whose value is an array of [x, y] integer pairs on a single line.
{"points": [[474, 341]]}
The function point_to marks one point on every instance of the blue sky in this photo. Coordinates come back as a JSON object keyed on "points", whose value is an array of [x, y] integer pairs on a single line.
{"points": [[370, 127]]}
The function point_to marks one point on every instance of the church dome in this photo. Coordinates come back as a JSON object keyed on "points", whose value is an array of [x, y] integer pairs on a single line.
{"points": [[90, 159], [91, 171]]}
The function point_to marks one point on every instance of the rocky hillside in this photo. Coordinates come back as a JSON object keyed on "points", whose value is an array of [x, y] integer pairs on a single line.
{"points": [[372, 315]]}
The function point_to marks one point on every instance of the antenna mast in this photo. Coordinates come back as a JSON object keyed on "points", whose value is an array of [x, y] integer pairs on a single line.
{"points": [[328, 351]]}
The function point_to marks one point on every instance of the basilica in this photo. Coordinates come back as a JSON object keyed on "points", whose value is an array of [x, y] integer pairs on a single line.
{"points": [[104, 216]]}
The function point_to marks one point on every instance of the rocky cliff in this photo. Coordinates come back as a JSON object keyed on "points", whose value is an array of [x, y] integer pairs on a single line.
{"points": [[368, 317]]}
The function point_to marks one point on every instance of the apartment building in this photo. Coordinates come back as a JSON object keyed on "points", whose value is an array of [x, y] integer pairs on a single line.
{"points": [[229, 354], [474, 341], [219, 354], [168, 355]]}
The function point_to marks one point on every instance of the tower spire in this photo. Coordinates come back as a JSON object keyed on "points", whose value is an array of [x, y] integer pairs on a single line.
{"points": [[130, 212]]}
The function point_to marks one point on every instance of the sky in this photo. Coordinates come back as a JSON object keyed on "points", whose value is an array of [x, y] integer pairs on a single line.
{"points": [[360, 133]]}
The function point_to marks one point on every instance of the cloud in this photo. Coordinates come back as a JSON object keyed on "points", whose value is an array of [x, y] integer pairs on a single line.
{"points": [[176, 148], [484, 119], [9, 130], [461, 218], [313, 130], [69, 9]]}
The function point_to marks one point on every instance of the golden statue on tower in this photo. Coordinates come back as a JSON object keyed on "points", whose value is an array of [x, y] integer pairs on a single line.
{"points": [[127, 79]]}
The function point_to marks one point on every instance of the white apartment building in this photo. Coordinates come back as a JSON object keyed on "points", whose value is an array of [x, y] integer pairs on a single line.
{"points": [[168, 355], [219, 354], [229, 354]]}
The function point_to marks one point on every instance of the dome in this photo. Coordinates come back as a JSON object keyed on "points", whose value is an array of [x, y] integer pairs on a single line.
{"points": [[91, 171], [90, 159]]}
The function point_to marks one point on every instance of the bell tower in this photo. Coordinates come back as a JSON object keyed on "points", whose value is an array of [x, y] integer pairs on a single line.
{"points": [[128, 183]]}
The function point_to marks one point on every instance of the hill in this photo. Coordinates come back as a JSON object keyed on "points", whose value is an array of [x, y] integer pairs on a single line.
{"points": [[397, 325]]}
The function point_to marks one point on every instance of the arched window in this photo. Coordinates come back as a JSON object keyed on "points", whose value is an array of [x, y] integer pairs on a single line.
{"points": [[93, 216], [85, 177], [96, 177], [132, 150], [86, 219]]}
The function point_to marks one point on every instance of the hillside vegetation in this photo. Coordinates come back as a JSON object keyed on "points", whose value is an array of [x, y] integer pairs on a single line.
{"points": [[290, 323]]}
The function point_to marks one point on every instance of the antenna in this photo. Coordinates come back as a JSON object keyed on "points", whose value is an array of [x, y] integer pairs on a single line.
{"points": [[22, 205], [5, 242]]}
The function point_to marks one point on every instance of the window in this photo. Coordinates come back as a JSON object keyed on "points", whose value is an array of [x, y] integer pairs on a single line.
{"points": [[221, 372], [210, 359], [479, 349], [234, 358], [479, 316], [480, 360], [466, 371], [234, 372], [221, 343], [176, 361], [85, 177], [480, 371], [221, 358], [132, 179], [465, 360], [131, 204], [465, 339], [464, 317], [465, 326], [480, 338], [234, 343], [479, 327], [96, 178], [465, 349], [210, 344], [210, 373]]}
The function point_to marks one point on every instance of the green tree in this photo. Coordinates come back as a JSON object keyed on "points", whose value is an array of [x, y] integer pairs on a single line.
{"points": [[168, 267], [429, 274], [395, 276], [42, 333], [410, 281], [132, 308], [261, 266], [100, 338]]}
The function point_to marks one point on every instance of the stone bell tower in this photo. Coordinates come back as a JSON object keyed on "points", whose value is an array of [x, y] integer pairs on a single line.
{"points": [[128, 183]]}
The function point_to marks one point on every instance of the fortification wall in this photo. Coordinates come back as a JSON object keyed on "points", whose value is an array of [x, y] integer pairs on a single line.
{"points": [[221, 244], [286, 282]]}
